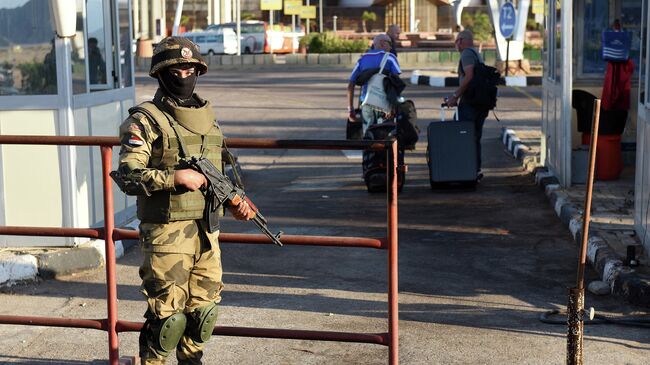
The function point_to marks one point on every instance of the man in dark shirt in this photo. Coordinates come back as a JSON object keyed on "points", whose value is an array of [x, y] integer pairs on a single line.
{"points": [[96, 63], [393, 32], [466, 111]]}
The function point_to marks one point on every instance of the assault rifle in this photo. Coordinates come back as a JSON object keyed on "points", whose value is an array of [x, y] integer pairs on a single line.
{"points": [[220, 191]]}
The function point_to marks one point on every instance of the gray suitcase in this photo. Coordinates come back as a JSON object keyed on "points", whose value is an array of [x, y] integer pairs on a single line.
{"points": [[451, 153]]}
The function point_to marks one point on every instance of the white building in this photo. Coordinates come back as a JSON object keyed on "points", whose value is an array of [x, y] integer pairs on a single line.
{"points": [[78, 86], [572, 61]]}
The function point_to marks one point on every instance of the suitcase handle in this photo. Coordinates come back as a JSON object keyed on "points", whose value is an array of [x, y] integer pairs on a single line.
{"points": [[442, 112]]}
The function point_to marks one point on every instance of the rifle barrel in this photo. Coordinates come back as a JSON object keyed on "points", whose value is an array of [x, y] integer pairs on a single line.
{"points": [[262, 226]]}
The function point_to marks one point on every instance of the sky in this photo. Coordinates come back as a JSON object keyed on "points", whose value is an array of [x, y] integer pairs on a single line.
{"points": [[10, 4]]}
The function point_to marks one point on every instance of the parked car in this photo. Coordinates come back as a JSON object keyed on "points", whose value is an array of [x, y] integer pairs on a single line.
{"points": [[258, 37], [217, 41]]}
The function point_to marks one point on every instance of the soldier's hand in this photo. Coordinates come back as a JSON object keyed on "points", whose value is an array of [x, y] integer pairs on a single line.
{"points": [[190, 179], [241, 211]]}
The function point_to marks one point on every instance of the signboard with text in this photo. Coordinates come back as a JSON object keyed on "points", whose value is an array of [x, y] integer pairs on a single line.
{"points": [[507, 20], [292, 7], [270, 4], [538, 6], [308, 12]]}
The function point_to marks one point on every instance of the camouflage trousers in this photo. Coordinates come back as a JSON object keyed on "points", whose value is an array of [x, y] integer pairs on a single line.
{"points": [[181, 271]]}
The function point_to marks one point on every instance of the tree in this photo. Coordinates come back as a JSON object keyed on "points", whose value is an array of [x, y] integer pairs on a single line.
{"points": [[247, 15], [365, 17], [480, 25]]}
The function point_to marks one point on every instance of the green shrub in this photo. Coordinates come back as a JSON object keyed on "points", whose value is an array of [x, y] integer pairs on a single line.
{"points": [[38, 78], [365, 18], [528, 46], [480, 25], [330, 43]]}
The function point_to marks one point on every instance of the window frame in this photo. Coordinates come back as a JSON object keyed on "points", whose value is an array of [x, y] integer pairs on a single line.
{"points": [[646, 64], [109, 24], [119, 82], [643, 62], [579, 34], [112, 48], [550, 22]]}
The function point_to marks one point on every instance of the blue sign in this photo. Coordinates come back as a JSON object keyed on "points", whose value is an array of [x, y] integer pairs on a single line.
{"points": [[507, 19]]}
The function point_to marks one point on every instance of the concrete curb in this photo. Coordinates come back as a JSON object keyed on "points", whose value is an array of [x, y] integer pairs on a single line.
{"points": [[623, 280], [519, 150], [433, 81], [87, 256]]}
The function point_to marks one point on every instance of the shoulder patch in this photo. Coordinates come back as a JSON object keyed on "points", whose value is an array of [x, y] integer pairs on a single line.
{"points": [[135, 141]]}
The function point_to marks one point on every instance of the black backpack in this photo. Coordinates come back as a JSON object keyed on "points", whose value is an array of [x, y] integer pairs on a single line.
{"points": [[482, 89], [407, 125]]}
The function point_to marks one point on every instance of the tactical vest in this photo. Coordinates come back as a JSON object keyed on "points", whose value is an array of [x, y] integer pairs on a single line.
{"points": [[177, 142]]}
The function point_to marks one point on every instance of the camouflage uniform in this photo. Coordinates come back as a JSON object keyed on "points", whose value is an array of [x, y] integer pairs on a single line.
{"points": [[181, 270]]}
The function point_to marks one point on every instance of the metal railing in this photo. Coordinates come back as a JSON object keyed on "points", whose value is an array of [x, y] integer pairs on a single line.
{"points": [[110, 234]]}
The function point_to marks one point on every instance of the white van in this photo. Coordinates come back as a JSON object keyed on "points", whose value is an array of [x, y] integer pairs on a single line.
{"points": [[258, 37], [219, 41], [253, 34]]}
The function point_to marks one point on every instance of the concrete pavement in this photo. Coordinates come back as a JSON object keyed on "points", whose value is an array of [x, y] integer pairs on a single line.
{"points": [[476, 268], [611, 232]]}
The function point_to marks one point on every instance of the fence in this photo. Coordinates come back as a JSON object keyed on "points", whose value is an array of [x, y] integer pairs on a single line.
{"points": [[110, 234]]}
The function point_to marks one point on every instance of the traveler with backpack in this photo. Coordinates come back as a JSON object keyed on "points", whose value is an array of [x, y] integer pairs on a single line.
{"points": [[476, 95], [369, 72]]}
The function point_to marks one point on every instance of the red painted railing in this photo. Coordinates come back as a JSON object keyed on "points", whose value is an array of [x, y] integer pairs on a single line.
{"points": [[110, 234]]}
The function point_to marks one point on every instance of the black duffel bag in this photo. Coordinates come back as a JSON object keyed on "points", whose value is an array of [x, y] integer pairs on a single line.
{"points": [[354, 130]]}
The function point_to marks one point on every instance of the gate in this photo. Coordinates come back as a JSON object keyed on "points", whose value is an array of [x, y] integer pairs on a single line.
{"points": [[110, 234]]}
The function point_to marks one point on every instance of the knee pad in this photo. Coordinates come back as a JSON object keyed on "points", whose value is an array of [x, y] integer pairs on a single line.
{"points": [[201, 322], [168, 331]]}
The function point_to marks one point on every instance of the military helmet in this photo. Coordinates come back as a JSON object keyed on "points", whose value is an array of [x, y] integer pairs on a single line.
{"points": [[176, 50]]}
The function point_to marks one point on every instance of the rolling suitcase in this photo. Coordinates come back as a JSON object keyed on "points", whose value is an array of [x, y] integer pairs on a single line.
{"points": [[451, 153], [374, 162]]}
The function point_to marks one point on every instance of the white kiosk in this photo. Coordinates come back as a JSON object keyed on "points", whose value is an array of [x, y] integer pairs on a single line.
{"points": [[77, 86], [573, 61]]}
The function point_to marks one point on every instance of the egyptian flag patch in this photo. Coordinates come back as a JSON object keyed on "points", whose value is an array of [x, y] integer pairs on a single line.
{"points": [[135, 141]]}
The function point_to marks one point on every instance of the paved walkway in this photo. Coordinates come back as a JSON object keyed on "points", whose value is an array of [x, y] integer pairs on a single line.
{"points": [[611, 230]]}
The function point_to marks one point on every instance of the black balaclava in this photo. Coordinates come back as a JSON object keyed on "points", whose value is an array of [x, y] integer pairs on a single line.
{"points": [[180, 89]]}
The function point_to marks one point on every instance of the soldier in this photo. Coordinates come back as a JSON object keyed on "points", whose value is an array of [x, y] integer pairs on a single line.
{"points": [[181, 270]]}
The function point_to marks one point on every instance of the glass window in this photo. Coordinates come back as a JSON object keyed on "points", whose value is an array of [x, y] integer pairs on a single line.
{"points": [[599, 15], [550, 39], [200, 39], [27, 55], [596, 20], [212, 39], [79, 75], [96, 42], [126, 49]]}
